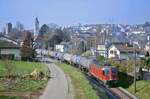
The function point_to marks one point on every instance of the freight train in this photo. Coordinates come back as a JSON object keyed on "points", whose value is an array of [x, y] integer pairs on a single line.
{"points": [[101, 71]]}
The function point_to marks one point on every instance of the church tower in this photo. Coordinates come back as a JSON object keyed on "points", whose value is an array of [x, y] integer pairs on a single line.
{"points": [[36, 28]]}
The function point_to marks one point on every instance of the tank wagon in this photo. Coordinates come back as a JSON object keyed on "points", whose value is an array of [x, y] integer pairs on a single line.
{"points": [[67, 57], [60, 56], [85, 63], [73, 59]]}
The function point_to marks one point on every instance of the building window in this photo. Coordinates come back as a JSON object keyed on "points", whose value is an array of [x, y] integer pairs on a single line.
{"points": [[106, 72], [111, 52], [115, 52]]}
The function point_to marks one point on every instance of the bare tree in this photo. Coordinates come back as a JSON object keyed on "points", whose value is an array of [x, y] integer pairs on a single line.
{"points": [[27, 47]]}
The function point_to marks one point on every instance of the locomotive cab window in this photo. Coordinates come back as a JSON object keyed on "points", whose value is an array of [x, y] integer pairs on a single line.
{"points": [[106, 71], [114, 71]]}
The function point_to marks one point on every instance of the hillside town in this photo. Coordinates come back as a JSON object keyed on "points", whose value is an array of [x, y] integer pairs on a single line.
{"points": [[74, 49], [108, 40]]}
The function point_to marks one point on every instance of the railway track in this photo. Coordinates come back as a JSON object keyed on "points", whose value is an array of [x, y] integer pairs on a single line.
{"points": [[120, 93], [112, 93], [101, 88]]}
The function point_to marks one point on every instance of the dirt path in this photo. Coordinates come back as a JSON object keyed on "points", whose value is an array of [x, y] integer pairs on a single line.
{"points": [[58, 86]]}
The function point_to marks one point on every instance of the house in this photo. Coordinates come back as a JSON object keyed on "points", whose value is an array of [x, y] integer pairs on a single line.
{"points": [[62, 47], [102, 50], [9, 48], [147, 47], [123, 51]]}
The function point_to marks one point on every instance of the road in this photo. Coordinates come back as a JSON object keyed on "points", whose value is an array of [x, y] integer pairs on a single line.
{"points": [[59, 86]]}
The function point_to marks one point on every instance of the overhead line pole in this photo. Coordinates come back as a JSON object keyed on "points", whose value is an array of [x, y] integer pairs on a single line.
{"points": [[135, 70]]}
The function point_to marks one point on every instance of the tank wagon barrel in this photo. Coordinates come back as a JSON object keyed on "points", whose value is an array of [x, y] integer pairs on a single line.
{"points": [[67, 57]]}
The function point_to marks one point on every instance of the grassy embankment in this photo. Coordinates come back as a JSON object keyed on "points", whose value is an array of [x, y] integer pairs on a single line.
{"points": [[126, 82], [82, 87], [19, 84], [143, 86], [143, 89]]}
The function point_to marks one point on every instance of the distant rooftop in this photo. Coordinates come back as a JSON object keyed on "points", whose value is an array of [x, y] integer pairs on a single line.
{"points": [[126, 47], [6, 42]]}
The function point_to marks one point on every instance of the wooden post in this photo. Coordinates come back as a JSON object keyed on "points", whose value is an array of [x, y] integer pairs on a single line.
{"points": [[135, 70]]}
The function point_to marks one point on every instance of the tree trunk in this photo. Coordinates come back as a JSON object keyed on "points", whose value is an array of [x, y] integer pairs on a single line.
{"points": [[141, 73]]}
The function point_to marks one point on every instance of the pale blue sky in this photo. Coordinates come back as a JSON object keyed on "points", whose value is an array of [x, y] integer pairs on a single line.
{"points": [[72, 12]]}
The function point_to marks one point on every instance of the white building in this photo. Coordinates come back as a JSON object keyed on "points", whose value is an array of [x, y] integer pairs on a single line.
{"points": [[147, 47], [61, 47], [122, 51], [102, 50], [9, 48]]}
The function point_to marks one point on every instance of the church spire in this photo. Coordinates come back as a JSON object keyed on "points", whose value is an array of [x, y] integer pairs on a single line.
{"points": [[36, 29]]}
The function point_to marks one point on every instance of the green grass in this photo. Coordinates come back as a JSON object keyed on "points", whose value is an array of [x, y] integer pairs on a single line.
{"points": [[22, 68], [19, 84], [7, 97], [127, 82], [23, 86], [143, 89], [143, 86], [82, 87]]}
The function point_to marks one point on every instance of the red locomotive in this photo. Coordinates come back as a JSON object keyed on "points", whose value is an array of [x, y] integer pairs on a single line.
{"points": [[106, 73]]}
